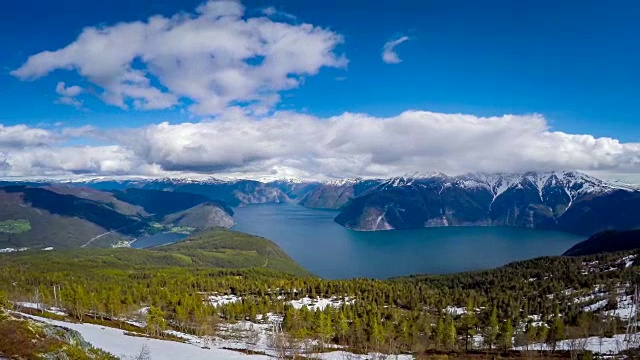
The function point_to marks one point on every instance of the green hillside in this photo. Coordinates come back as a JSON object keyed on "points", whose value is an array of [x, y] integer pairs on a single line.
{"points": [[215, 248]]}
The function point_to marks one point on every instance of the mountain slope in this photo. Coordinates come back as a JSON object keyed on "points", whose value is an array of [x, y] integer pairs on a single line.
{"points": [[335, 194], [567, 201], [63, 216], [201, 216], [59, 220], [160, 203], [213, 248], [606, 241], [234, 193]]}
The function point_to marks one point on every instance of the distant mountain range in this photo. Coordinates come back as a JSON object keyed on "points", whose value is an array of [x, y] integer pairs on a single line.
{"points": [[566, 200]]}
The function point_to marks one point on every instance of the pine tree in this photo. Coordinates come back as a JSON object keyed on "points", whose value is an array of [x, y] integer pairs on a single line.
{"points": [[439, 333], [450, 333], [468, 325], [155, 322], [506, 335], [341, 325], [491, 331]]}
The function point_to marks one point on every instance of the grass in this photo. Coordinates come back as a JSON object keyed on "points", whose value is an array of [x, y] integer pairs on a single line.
{"points": [[15, 226], [28, 339]]}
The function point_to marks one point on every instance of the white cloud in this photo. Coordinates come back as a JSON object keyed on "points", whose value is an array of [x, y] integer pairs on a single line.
{"points": [[213, 58], [68, 94], [389, 54], [20, 136], [294, 144]]}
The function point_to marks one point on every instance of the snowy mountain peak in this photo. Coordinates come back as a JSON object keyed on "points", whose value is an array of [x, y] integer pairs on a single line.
{"points": [[343, 182]]}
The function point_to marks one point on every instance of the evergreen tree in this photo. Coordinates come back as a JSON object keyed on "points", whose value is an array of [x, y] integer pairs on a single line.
{"points": [[439, 333], [341, 325], [506, 335], [468, 325], [451, 334], [491, 330]]}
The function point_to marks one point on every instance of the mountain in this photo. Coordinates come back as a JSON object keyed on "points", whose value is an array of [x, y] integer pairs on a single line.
{"points": [[606, 242], [161, 203], [335, 194], [293, 188], [567, 201], [62, 216], [232, 192], [202, 216], [39, 217]]}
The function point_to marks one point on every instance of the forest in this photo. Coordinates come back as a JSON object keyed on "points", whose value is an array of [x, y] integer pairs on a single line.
{"points": [[493, 311]]}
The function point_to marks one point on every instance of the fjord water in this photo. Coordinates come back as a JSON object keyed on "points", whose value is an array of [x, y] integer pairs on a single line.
{"points": [[328, 250], [157, 240]]}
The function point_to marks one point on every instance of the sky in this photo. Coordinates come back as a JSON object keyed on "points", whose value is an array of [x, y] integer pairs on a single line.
{"points": [[289, 88]]}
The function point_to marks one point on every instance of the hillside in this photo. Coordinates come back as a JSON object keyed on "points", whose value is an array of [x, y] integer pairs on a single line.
{"points": [[606, 242], [23, 338], [213, 248], [201, 216], [61, 216], [49, 218], [519, 306], [335, 194], [161, 203]]}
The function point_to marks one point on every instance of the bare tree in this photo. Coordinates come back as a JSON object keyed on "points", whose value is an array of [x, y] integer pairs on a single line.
{"points": [[144, 354]]}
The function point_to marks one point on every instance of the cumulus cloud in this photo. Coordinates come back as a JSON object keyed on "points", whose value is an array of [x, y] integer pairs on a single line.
{"points": [[389, 54], [20, 136], [213, 58], [348, 145], [68, 94]]}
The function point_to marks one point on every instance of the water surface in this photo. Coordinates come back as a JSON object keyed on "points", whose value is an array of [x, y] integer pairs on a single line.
{"points": [[158, 239], [327, 249]]}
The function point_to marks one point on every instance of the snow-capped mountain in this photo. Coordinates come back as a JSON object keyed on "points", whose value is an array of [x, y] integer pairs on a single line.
{"points": [[563, 200]]}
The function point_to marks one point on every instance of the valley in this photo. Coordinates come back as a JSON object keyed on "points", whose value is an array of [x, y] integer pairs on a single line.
{"points": [[483, 280]]}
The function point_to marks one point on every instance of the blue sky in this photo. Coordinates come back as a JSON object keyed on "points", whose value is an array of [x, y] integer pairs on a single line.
{"points": [[574, 63]]}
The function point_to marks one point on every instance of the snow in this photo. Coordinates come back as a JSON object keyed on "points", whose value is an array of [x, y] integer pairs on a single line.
{"points": [[624, 309], [342, 182], [116, 342], [41, 307], [47, 248], [320, 303], [453, 310], [596, 306], [217, 300], [343, 355], [596, 344], [8, 250]]}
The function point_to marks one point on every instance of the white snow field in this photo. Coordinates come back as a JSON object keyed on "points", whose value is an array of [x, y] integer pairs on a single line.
{"points": [[127, 347], [124, 346], [596, 344]]}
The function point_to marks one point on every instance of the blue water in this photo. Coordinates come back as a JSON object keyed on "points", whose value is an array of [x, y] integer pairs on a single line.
{"points": [[158, 239], [328, 250]]}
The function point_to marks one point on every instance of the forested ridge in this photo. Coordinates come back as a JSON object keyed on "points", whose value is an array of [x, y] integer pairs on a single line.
{"points": [[527, 301]]}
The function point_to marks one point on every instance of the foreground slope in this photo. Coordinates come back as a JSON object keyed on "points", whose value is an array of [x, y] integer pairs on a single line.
{"points": [[214, 248], [23, 338]]}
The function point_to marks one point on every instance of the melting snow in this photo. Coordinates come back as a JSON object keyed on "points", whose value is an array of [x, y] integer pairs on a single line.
{"points": [[320, 303]]}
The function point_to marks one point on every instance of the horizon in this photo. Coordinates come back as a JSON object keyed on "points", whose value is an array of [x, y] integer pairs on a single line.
{"points": [[285, 90], [269, 179]]}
